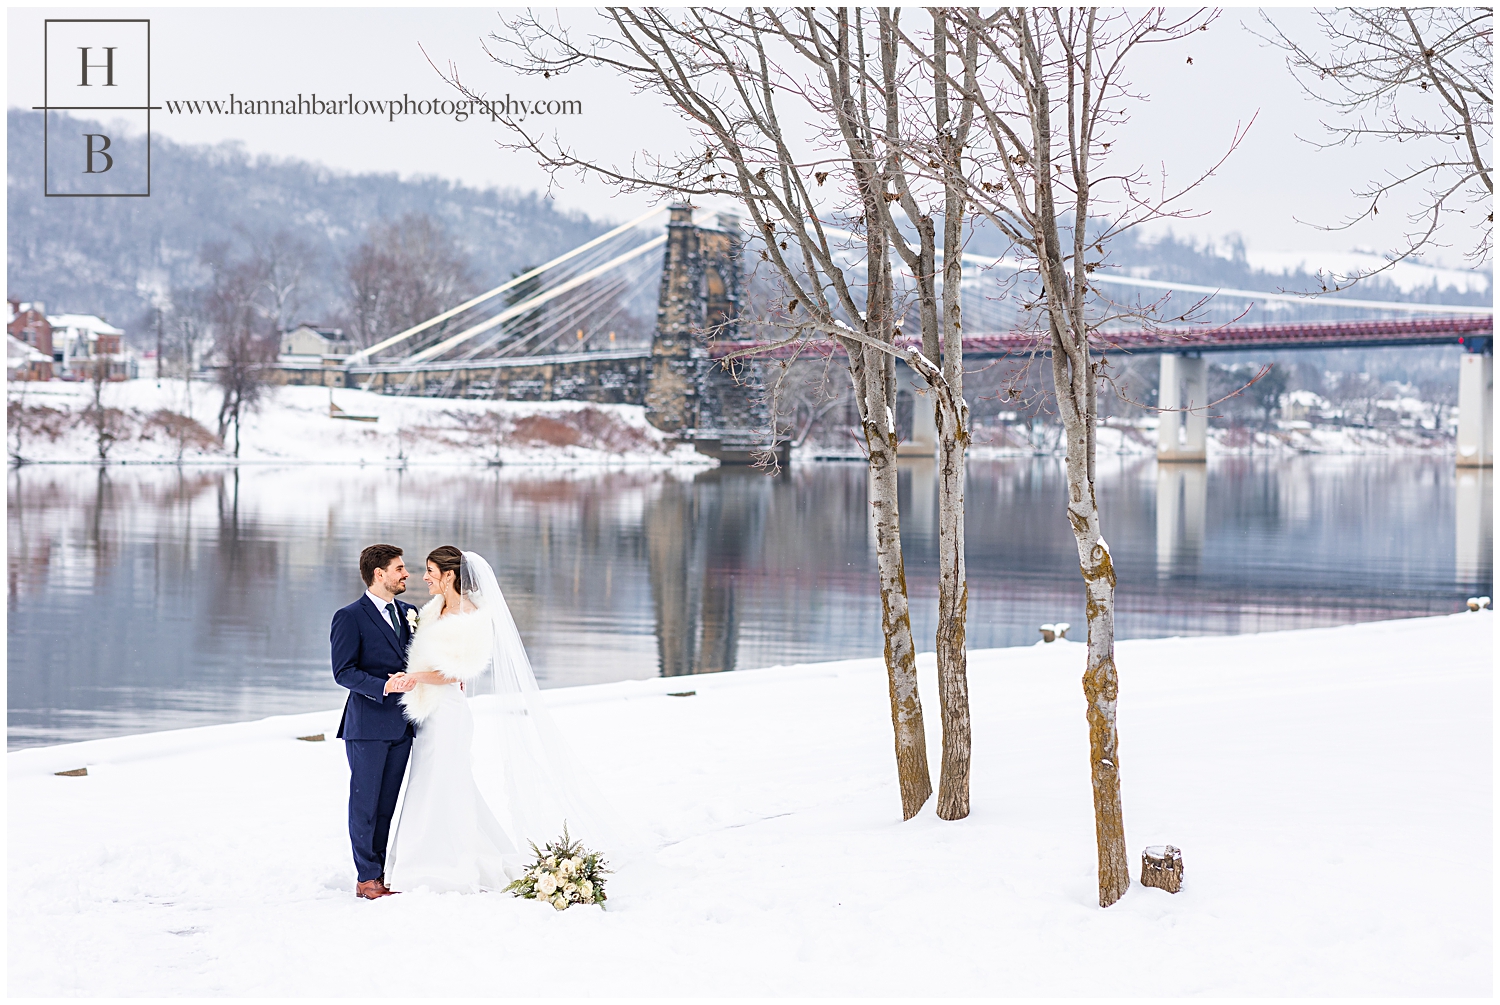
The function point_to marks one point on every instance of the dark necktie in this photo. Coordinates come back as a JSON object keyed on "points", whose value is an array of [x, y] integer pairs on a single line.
{"points": [[395, 621]]}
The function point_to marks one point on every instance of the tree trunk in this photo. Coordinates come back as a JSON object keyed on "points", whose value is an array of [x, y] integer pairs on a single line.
{"points": [[953, 612], [952, 416], [895, 615], [1101, 683]]}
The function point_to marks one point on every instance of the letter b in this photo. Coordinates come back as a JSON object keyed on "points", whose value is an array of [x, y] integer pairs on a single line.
{"points": [[109, 160]]}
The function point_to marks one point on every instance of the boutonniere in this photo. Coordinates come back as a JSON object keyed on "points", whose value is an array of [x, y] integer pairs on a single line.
{"points": [[412, 618]]}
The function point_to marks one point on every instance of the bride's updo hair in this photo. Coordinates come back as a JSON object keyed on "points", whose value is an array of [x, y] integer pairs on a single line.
{"points": [[448, 559]]}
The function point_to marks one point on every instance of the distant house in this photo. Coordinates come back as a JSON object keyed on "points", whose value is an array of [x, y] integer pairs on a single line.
{"points": [[28, 326], [24, 362], [1300, 406], [78, 340], [315, 340]]}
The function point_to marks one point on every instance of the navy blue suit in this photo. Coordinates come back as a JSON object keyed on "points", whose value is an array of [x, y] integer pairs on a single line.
{"points": [[377, 737]]}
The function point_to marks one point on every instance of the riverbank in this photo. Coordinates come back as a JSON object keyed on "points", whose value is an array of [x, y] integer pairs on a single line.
{"points": [[151, 422], [170, 421], [1330, 790], [1138, 438]]}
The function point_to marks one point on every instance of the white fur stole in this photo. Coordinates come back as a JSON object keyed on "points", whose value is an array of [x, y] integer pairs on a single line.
{"points": [[458, 646]]}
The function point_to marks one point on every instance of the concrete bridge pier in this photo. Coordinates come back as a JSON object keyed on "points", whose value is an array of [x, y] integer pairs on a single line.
{"points": [[1476, 398], [923, 441], [1183, 435]]}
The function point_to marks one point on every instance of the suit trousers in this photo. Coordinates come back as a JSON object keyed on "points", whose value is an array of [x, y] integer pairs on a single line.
{"points": [[376, 768]]}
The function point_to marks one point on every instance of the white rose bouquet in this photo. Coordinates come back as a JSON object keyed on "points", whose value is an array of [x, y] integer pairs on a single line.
{"points": [[564, 873]]}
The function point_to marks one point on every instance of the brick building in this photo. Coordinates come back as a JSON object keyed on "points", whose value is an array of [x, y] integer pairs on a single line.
{"points": [[27, 324]]}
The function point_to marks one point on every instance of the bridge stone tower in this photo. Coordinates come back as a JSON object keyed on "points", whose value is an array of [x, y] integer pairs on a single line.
{"points": [[687, 394]]}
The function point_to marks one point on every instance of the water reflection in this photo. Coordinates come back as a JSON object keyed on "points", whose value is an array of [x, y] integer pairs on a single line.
{"points": [[152, 598], [1181, 509], [1474, 524]]}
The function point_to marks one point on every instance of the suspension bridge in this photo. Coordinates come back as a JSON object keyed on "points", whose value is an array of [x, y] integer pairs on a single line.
{"points": [[584, 326]]}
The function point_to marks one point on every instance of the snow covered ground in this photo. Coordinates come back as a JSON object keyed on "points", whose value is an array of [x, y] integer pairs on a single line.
{"points": [[294, 426], [1284, 440], [1330, 790]]}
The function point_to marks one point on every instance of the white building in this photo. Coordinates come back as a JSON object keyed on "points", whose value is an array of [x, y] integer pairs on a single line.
{"points": [[82, 337], [24, 362], [314, 341]]}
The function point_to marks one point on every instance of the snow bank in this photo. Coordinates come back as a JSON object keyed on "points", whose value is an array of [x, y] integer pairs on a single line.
{"points": [[1285, 440], [1330, 790], [294, 425]]}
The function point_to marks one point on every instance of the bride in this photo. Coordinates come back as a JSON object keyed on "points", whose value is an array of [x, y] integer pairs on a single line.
{"points": [[448, 837]]}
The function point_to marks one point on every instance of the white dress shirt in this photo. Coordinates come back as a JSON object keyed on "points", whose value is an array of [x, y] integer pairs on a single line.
{"points": [[380, 606]]}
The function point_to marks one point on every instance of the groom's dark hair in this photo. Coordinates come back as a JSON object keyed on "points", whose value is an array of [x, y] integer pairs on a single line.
{"points": [[376, 556]]}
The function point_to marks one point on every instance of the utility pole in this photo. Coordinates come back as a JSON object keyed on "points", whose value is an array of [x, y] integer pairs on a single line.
{"points": [[158, 345]]}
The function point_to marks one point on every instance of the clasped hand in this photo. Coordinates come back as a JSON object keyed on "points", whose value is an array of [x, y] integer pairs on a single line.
{"points": [[399, 683]]}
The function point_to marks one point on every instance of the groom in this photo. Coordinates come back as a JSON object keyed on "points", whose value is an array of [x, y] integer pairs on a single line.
{"points": [[369, 640]]}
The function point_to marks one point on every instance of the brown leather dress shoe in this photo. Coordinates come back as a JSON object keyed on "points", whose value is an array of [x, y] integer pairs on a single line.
{"points": [[371, 889]]}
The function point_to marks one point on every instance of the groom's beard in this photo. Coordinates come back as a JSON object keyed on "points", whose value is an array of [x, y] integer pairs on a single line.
{"points": [[397, 589]]}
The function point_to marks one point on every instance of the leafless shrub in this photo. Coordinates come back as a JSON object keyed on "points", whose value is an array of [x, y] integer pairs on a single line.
{"points": [[182, 431], [25, 423], [544, 431], [603, 431]]}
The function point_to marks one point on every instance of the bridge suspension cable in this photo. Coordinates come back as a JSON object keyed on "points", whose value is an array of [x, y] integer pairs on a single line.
{"points": [[363, 355], [1400, 306], [525, 306]]}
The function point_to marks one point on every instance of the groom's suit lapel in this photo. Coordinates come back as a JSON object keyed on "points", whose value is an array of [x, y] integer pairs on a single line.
{"points": [[383, 625]]}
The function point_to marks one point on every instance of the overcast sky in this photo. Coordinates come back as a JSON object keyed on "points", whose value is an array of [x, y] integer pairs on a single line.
{"points": [[1270, 183]]}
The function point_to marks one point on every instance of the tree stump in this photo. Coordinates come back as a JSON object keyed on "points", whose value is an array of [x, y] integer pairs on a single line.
{"points": [[1161, 867]]}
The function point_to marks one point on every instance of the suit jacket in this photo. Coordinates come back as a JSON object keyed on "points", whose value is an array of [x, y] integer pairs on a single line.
{"points": [[366, 652]]}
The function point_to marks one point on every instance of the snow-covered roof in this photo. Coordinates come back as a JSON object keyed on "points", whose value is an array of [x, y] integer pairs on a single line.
{"points": [[83, 322], [16, 350], [1308, 399]]}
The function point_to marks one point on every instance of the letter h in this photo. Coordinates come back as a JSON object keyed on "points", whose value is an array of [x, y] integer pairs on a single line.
{"points": [[108, 66]]}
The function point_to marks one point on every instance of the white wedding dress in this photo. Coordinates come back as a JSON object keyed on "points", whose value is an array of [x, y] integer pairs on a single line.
{"points": [[447, 839]]}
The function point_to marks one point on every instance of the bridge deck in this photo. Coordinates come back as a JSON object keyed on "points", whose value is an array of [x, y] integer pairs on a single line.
{"points": [[1224, 338]]}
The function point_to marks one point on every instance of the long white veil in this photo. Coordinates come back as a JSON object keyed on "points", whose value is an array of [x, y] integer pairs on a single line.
{"points": [[544, 785]]}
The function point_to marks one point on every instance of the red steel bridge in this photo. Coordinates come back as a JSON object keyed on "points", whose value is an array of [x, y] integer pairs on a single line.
{"points": [[1473, 332]]}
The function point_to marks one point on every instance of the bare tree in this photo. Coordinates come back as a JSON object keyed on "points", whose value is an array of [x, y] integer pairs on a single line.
{"points": [[1421, 77], [104, 420], [1048, 92], [938, 144], [245, 336], [403, 273], [722, 72], [15, 423], [285, 264], [188, 335]]}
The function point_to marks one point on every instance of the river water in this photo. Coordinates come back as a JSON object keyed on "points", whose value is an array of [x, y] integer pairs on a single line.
{"points": [[146, 598]]}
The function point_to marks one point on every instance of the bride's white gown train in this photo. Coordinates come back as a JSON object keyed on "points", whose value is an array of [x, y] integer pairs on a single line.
{"points": [[446, 838]]}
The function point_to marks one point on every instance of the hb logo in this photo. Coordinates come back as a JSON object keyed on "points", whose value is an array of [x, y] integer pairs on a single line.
{"points": [[97, 71]]}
